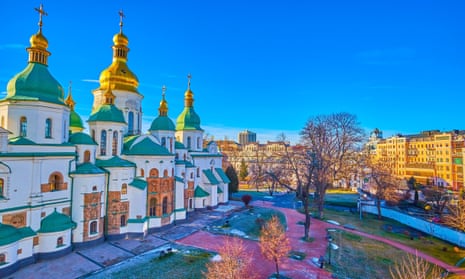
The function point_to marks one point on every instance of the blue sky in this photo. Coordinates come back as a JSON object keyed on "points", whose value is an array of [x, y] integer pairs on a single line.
{"points": [[266, 66]]}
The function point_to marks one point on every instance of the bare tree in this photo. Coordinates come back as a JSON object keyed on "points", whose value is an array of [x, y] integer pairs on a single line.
{"points": [[438, 198], [332, 142], [384, 185], [456, 216], [234, 264], [274, 244], [414, 267]]}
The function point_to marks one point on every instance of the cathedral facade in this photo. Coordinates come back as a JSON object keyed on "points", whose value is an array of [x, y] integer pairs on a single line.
{"points": [[62, 188]]}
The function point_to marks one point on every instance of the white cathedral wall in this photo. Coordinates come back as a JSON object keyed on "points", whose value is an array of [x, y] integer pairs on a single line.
{"points": [[147, 163], [10, 251], [36, 114], [196, 139], [26, 246], [169, 139], [97, 128], [179, 197], [48, 241], [120, 175], [138, 202]]}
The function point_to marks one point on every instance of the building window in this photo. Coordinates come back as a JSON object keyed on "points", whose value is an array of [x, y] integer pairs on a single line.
{"points": [[165, 205], [153, 207], [114, 144], [130, 122], [23, 126], [2, 187], [142, 172], [198, 172], [55, 181], [93, 134], [93, 227], [165, 173], [198, 143], [94, 188], [163, 141], [2, 258], [60, 241], [103, 143], [48, 128], [87, 156], [189, 142], [192, 175], [190, 204], [123, 220], [171, 144], [154, 172], [124, 189]]}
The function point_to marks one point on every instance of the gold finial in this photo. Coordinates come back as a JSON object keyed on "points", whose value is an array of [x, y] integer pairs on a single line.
{"points": [[163, 91], [121, 16], [163, 109], [41, 12], [69, 100], [189, 76]]}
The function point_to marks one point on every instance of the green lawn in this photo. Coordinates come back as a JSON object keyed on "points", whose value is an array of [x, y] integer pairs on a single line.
{"points": [[185, 262], [246, 223]]}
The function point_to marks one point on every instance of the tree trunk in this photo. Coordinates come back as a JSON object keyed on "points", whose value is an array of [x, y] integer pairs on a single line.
{"points": [[306, 205], [277, 268], [378, 206]]}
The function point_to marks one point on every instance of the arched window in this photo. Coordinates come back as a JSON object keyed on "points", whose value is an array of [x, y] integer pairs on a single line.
{"points": [[123, 220], [60, 241], [142, 173], [2, 187], [192, 175], [154, 172], [198, 172], [48, 128], [94, 188], [103, 143], [153, 207], [130, 122], [188, 142], [165, 205], [2, 258], [114, 144], [87, 156], [93, 134], [165, 173], [198, 143], [163, 141], [124, 189], [171, 144], [55, 181], [93, 227], [23, 126]]}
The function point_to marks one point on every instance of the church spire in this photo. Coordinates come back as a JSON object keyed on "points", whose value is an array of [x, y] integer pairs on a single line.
{"points": [[120, 47], [69, 100], [189, 95], [163, 109], [38, 50]]}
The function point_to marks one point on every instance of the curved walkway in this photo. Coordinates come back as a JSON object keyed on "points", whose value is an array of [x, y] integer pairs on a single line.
{"points": [[294, 268]]}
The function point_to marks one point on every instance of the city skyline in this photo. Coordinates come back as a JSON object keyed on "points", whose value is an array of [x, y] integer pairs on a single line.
{"points": [[397, 65]]}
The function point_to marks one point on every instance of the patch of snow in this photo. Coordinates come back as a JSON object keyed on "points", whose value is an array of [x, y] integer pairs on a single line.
{"points": [[237, 232], [333, 222], [216, 258]]}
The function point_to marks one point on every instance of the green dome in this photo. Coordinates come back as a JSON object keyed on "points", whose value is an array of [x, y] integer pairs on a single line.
{"points": [[56, 222], [81, 138], [188, 120], [162, 123], [144, 147], [108, 113], [75, 120], [35, 83], [8, 234]]}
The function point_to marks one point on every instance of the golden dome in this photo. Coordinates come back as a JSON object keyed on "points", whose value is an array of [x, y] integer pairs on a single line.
{"points": [[120, 39], [38, 41], [119, 76]]}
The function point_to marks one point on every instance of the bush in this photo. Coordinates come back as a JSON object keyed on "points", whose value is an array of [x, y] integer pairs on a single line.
{"points": [[246, 199]]}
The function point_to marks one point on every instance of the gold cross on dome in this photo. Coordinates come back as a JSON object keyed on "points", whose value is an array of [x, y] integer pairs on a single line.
{"points": [[189, 76], [41, 12], [163, 90], [121, 16]]}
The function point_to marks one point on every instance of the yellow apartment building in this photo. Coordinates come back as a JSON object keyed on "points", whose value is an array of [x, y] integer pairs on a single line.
{"points": [[432, 157]]}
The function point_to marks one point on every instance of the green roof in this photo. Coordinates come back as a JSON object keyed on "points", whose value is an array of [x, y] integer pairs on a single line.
{"points": [[8, 234], [205, 155], [81, 138], [179, 145], [56, 222], [186, 163], [87, 168], [139, 183], [21, 141], [26, 232], [35, 83], [223, 175], [114, 161], [75, 120], [211, 177], [179, 179], [107, 113], [220, 191], [200, 193], [145, 147], [188, 120], [162, 123]]}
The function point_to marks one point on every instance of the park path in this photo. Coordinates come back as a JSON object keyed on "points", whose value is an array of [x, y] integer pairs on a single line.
{"points": [[301, 269]]}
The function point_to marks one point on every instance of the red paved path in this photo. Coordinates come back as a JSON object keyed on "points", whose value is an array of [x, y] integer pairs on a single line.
{"points": [[294, 268]]}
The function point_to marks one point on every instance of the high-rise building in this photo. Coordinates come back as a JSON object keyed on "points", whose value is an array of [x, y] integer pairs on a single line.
{"points": [[246, 137]]}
